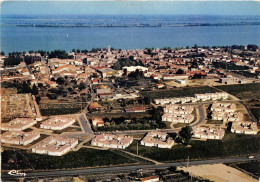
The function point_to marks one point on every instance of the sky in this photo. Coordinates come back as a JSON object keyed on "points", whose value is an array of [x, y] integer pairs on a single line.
{"points": [[130, 7]]}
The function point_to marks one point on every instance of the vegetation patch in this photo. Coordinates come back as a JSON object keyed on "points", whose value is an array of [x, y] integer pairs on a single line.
{"points": [[82, 158], [178, 92], [256, 112], [60, 109], [201, 149], [243, 91]]}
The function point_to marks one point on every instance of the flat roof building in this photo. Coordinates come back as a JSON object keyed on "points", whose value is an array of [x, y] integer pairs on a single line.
{"points": [[18, 124], [19, 137], [112, 141], [55, 145], [57, 123], [249, 128], [157, 139], [208, 133]]}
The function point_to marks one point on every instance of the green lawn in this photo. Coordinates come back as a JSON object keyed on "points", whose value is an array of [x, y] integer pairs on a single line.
{"points": [[232, 145], [178, 92], [256, 112], [243, 91], [82, 158]]}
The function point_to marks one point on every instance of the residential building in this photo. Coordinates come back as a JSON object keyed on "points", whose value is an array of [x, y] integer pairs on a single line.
{"points": [[55, 146], [18, 124], [112, 141], [157, 139]]}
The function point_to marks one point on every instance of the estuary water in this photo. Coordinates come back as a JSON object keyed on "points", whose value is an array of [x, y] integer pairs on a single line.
{"points": [[24, 33]]}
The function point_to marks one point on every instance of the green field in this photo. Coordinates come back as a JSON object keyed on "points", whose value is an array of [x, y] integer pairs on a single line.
{"points": [[241, 145], [178, 92], [251, 167], [256, 112], [60, 109], [243, 91], [82, 158]]}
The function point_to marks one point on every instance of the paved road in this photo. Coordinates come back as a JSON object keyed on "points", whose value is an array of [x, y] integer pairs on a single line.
{"points": [[84, 123], [101, 170]]}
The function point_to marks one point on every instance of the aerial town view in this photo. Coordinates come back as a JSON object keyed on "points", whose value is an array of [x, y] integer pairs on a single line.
{"points": [[130, 91]]}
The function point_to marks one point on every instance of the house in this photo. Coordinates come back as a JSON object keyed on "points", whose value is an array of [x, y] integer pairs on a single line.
{"points": [[97, 122]]}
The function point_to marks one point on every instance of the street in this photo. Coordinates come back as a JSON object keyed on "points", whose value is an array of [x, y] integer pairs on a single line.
{"points": [[100, 170]]}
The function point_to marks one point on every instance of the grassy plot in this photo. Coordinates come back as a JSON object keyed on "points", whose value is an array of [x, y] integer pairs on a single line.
{"points": [[82, 158], [251, 167], [178, 92], [256, 112], [241, 145], [243, 91], [60, 109]]}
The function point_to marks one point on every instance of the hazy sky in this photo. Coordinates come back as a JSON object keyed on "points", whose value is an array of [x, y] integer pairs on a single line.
{"points": [[130, 7]]}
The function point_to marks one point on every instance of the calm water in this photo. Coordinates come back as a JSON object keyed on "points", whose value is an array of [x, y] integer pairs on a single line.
{"points": [[127, 32]]}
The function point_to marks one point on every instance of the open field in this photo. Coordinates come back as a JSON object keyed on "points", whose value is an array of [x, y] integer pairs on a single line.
{"points": [[218, 172], [234, 146], [251, 167], [82, 158], [256, 112], [178, 92], [60, 109], [243, 91]]}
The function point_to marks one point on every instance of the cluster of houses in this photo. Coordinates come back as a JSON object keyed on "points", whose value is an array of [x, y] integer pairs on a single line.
{"points": [[197, 98], [208, 133], [55, 146], [52, 145], [112, 141], [178, 113], [57, 123]]}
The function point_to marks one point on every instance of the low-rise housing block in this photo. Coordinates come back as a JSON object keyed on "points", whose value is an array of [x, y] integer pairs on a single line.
{"points": [[112, 141], [208, 133], [19, 137], [18, 124], [56, 146], [157, 139], [57, 123], [249, 128]]}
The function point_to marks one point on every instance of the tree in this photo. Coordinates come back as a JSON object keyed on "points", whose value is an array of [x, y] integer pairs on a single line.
{"points": [[35, 90], [82, 86], [186, 134], [26, 88], [60, 80], [179, 72], [252, 47]]}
